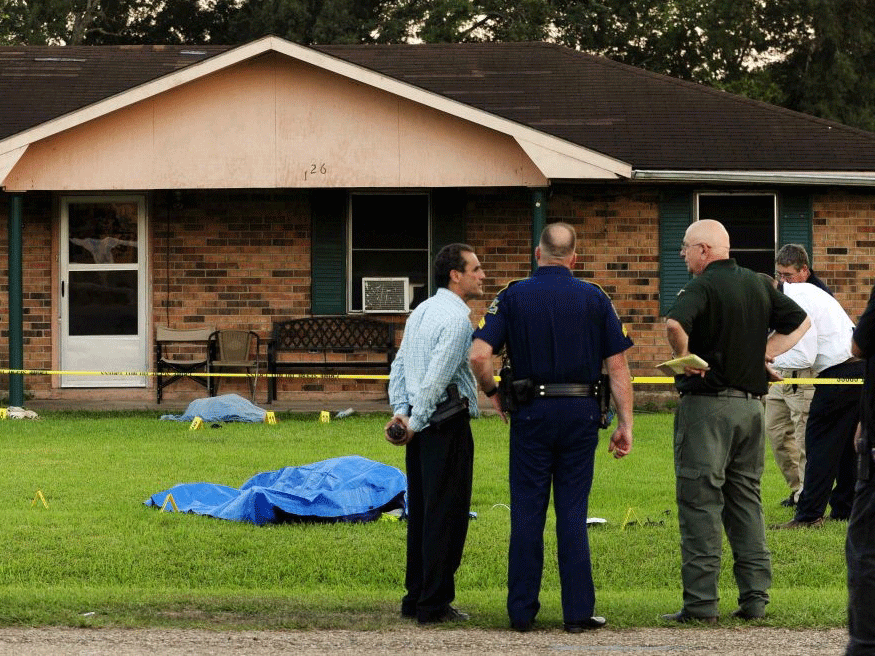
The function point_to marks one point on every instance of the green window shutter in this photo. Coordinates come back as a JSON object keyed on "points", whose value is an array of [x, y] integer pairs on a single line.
{"points": [[675, 215], [447, 220], [328, 210], [794, 219]]}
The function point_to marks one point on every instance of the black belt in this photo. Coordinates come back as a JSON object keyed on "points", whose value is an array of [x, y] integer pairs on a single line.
{"points": [[734, 393], [564, 389]]}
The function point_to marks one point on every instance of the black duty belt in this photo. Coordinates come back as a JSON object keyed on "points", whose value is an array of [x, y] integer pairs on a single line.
{"points": [[564, 389], [733, 393]]}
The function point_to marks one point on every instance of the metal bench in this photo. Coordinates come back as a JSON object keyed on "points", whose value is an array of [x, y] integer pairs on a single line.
{"points": [[329, 344]]}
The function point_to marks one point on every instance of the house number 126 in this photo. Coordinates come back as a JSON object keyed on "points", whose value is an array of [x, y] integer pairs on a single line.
{"points": [[315, 169]]}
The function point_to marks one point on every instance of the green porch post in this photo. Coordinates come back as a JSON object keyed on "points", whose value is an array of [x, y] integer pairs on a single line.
{"points": [[16, 330], [539, 219]]}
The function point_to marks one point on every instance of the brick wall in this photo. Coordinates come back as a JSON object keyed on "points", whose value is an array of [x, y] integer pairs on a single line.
{"points": [[37, 316], [844, 246], [618, 238], [234, 260], [239, 259]]}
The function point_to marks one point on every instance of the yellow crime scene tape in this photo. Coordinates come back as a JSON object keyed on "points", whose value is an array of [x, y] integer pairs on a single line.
{"points": [[635, 379], [196, 374]]}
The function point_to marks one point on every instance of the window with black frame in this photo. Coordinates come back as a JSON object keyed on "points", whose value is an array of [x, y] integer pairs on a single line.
{"points": [[389, 239]]}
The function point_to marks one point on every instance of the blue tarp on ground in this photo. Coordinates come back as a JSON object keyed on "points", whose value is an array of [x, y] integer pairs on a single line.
{"points": [[348, 488], [228, 407]]}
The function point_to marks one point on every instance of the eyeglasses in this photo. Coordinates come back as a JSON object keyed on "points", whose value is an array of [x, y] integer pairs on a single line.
{"points": [[781, 275], [685, 246]]}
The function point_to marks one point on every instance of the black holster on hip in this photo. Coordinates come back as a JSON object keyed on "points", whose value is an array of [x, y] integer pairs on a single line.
{"points": [[453, 406], [603, 394], [505, 388], [514, 393]]}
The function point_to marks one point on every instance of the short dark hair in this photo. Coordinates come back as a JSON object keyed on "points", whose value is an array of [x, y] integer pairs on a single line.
{"points": [[449, 258], [793, 255]]}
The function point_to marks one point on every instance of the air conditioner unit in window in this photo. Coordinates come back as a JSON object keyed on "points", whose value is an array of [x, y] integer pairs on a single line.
{"points": [[385, 294]]}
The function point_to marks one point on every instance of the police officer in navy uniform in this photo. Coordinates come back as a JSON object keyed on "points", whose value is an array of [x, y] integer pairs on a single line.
{"points": [[860, 542], [559, 332]]}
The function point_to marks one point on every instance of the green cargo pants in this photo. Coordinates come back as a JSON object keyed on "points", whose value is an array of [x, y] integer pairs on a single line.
{"points": [[719, 456]]}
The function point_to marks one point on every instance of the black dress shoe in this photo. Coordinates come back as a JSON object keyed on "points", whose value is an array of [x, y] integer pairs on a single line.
{"points": [[790, 502], [588, 624], [682, 616], [448, 615], [523, 627]]}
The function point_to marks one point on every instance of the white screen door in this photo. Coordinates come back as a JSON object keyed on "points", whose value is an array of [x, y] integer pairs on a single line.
{"points": [[103, 290]]}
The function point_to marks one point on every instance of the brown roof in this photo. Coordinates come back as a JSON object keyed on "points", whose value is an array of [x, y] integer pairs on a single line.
{"points": [[39, 83], [650, 121]]}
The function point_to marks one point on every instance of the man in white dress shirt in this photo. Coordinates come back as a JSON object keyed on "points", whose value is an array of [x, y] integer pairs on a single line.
{"points": [[787, 404], [833, 414]]}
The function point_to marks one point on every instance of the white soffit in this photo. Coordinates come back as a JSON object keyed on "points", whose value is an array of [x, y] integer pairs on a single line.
{"points": [[844, 178], [557, 165], [554, 157], [8, 160]]}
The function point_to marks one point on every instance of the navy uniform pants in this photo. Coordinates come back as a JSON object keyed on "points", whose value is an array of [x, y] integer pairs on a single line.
{"points": [[829, 446], [440, 465], [860, 554], [552, 442]]}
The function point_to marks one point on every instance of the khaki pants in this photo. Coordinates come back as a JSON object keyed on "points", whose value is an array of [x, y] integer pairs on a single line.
{"points": [[786, 416]]}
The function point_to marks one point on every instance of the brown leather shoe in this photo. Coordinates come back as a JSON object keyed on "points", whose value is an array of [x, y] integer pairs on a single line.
{"points": [[795, 523]]}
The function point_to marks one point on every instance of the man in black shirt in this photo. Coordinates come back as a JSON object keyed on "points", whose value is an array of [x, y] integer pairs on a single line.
{"points": [[724, 315]]}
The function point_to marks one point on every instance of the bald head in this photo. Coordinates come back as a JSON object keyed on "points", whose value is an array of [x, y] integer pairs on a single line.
{"points": [[711, 233], [558, 241], [705, 241]]}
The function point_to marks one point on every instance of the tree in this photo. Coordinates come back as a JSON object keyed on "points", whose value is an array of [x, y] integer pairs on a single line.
{"points": [[94, 22], [302, 21], [828, 71], [68, 22], [455, 21]]}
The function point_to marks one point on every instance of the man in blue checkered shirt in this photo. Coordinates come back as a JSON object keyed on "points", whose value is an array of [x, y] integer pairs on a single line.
{"points": [[440, 455]]}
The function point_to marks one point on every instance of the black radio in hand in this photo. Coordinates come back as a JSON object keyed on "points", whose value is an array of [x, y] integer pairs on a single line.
{"points": [[397, 431]]}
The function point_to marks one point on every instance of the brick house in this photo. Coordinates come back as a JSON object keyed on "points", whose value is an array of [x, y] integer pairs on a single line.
{"points": [[266, 181]]}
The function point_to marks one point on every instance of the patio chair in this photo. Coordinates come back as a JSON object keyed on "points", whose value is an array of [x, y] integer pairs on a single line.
{"points": [[234, 351], [181, 353]]}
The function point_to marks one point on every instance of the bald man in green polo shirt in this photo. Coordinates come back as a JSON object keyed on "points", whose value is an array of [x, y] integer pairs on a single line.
{"points": [[724, 315]]}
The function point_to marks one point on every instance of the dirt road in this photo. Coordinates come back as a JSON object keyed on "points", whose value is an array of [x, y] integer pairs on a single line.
{"points": [[741, 641]]}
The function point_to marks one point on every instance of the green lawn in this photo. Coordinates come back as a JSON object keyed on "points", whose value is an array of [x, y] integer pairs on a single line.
{"points": [[98, 557]]}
